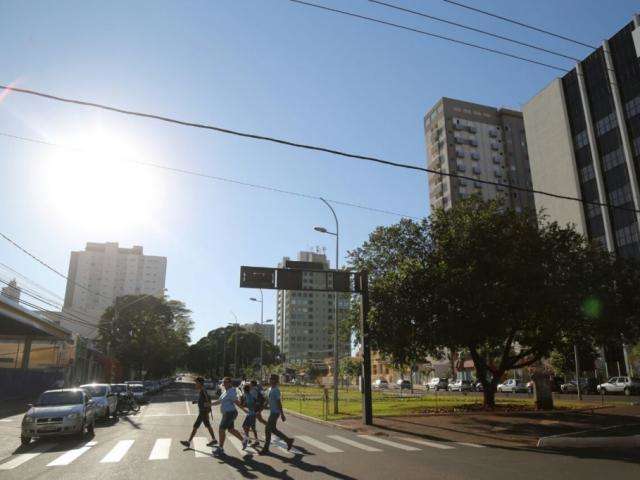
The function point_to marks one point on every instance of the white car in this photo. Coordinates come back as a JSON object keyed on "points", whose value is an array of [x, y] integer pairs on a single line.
{"points": [[624, 385], [512, 386], [381, 384], [105, 402]]}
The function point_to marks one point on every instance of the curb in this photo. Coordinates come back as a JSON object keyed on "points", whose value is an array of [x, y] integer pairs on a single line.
{"points": [[631, 441], [326, 423]]}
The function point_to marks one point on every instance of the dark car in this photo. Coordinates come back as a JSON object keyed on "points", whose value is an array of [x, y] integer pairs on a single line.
{"points": [[437, 383], [404, 384]]}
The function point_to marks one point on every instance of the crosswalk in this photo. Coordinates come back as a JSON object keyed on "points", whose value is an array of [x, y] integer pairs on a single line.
{"points": [[114, 452]]}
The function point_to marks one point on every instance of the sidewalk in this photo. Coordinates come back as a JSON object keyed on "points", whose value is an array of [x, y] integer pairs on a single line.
{"points": [[8, 408], [502, 429]]}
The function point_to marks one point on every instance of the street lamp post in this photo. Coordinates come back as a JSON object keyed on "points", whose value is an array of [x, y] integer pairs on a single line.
{"points": [[235, 348], [335, 307], [253, 299]]}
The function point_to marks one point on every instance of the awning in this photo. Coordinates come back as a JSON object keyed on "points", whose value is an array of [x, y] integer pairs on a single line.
{"points": [[16, 321]]}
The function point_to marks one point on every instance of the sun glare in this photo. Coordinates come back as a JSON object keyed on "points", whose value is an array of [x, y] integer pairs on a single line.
{"points": [[94, 185]]}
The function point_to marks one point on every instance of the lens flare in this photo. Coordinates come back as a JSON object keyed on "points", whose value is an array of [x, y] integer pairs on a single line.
{"points": [[592, 307]]}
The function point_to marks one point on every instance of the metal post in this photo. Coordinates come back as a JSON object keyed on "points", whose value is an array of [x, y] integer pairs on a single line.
{"points": [[577, 361], [336, 324], [261, 332], [224, 356], [627, 364], [367, 407], [235, 354]]}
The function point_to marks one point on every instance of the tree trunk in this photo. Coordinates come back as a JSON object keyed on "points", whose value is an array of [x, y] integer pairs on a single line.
{"points": [[489, 395], [542, 391]]}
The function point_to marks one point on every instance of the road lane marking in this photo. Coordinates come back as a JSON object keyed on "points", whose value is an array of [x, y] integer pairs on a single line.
{"points": [[384, 441], [318, 444], [200, 447], [160, 449], [237, 444], [68, 457], [283, 446], [24, 457], [186, 404], [118, 452], [353, 443], [465, 444], [441, 446]]}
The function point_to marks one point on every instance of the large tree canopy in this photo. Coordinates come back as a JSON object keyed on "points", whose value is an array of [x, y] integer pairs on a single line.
{"points": [[146, 334], [498, 284]]}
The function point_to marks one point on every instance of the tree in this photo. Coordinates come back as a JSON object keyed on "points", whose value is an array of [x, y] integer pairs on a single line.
{"points": [[350, 368], [478, 277], [563, 362], [148, 334]]}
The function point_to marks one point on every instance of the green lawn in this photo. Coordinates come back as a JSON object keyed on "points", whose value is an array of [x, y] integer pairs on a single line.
{"points": [[309, 401]]}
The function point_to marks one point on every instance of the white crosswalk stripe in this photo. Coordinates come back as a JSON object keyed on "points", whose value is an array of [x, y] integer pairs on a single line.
{"points": [[68, 457], [353, 443], [24, 457], [200, 447], [441, 446], [473, 445], [318, 444], [237, 444], [118, 452], [160, 450], [390, 443]]}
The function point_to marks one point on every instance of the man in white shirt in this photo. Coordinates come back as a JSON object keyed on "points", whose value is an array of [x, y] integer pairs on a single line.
{"points": [[228, 401]]}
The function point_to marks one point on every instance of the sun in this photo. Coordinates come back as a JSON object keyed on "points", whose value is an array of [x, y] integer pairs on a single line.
{"points": [[93, 181]]}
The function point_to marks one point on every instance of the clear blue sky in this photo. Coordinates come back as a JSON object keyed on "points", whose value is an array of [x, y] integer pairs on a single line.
{"points": [[266, 66]]}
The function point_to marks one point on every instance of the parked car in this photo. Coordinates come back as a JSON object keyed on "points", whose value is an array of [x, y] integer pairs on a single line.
{"points": [[460, 386], [512, 386], [625, 385], [381, 384], [139, 392], [587, 385], [104, 400], [404, 384], [437, 383], [151, 385], [478, 387], [58, 412]]}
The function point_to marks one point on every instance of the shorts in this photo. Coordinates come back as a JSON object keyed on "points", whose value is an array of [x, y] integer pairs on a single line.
{"points": [[249, 421], [203, 417], [227, 420]]}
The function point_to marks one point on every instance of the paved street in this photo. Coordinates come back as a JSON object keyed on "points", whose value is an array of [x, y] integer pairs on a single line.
{"points": [[146, 446]]}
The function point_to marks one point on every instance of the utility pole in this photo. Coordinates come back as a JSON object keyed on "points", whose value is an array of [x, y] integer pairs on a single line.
{"points": [[367, 405], [577, 362]]}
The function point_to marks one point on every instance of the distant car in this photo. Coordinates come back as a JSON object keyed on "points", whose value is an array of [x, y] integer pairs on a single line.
{"points": [[104, 400], [530, 386], [59, 412], [625, 385], [404, 384], [460, 386], [479, 387], [437, 383], [381, 384], [139, 392], [512, 386], [587, 385]]}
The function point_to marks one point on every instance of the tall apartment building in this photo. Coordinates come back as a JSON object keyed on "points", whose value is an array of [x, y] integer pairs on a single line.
{"points": [[480, 142], [109, 271], [12, 291], [584, 141], [304, 322], [267, 331]]}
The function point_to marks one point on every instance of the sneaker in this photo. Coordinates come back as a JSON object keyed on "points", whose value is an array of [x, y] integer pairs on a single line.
{"points": [[255, 444], [185, 443], [289, 444], [212, 443], [218, 452], [264, 451], [245, 442]]}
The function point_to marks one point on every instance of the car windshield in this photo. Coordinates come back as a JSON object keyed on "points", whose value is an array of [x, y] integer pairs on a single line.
{"points": [[118, 388], [95, 390], [59, 398], [137, 388]]}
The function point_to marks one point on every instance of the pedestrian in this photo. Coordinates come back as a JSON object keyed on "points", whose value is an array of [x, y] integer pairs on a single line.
{"points": [[260, 404], [228, 401], [275, 412], [249, 424], [204, 410]]}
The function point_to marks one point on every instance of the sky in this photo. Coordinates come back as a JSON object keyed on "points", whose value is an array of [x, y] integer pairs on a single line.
{"points": [[270, 67]]}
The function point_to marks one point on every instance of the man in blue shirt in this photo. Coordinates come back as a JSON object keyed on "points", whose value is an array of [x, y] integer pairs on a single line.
{"points": [[228, 401], [275, 412]]}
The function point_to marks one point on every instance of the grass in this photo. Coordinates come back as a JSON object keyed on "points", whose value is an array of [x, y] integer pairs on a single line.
{"points": [[309, 400]]}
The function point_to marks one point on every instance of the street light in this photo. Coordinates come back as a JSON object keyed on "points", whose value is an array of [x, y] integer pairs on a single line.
{"points": [[261, 301], [235, 354], [335, 306]]}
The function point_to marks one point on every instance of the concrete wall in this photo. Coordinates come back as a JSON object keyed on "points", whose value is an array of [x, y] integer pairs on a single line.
{"points": [[553, 167]]}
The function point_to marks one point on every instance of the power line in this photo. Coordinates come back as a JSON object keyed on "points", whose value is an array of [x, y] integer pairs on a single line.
{"points": [[304, 146], [24, 278], [521, 24], [429, 34], [474, 29], [218, 178]]}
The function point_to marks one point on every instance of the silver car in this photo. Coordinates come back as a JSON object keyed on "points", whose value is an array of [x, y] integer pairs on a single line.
{"points": [[58, 412], [105, 401], [139, 392], [625, 385]]}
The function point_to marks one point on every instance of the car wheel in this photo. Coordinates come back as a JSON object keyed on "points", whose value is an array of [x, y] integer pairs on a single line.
{"points": [[627, 391], [91, 428], [24, 440], [603, 391], [107, 414]]}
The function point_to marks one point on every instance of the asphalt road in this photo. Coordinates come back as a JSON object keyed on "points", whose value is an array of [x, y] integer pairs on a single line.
{"points": [[146, 446]]}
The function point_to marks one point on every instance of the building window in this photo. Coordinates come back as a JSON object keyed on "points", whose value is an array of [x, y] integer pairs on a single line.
{"points": [[461, 167], [632, 107], [587, 173], [605, 124], [476, 170], [613, 159], [621, 195], [581, 140]]}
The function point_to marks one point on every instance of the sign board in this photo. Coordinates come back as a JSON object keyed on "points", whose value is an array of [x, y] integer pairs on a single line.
{"points": [[257, 277], [293, 279]]}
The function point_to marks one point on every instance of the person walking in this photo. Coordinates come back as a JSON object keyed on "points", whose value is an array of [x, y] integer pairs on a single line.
{"points": [[204, 410], [227, 401], [257, 392], [249, 402], [275, 412]]}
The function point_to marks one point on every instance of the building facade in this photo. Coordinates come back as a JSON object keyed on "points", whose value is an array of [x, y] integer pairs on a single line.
{"points": [[584, 141], [108, 271], [305, 322], [265, 330], [479, 142], [11, 291]]}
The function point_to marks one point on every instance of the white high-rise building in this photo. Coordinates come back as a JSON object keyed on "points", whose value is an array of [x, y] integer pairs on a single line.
{"points": [[304, 322], [108, 271]]}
